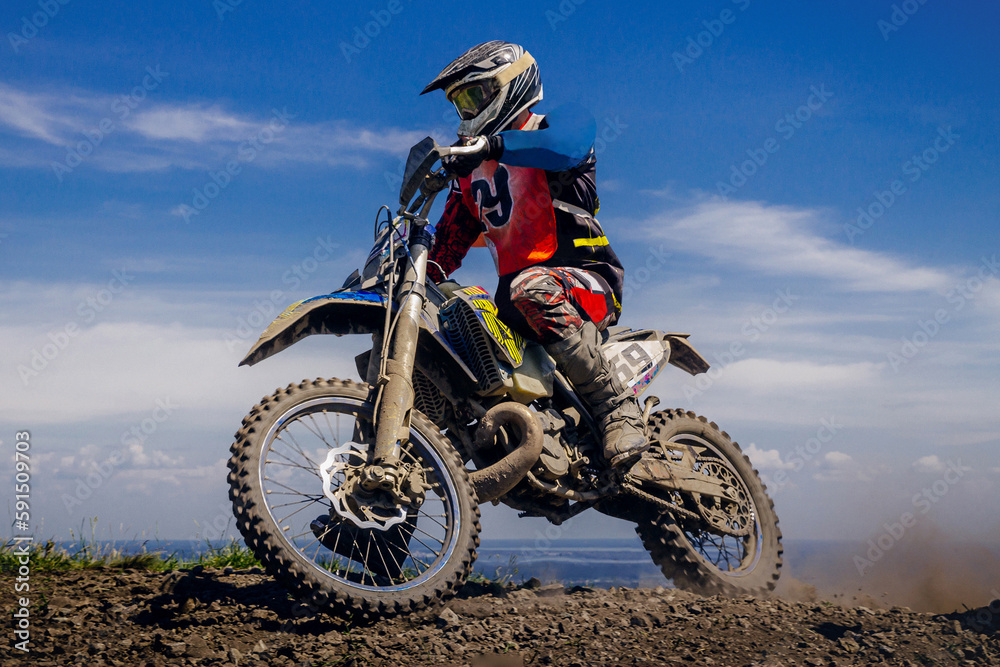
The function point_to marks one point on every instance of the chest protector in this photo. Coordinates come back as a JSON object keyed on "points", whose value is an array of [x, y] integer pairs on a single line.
{"points": [[515, 208]]}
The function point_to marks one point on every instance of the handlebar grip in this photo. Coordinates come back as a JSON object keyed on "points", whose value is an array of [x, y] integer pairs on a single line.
{"points": [[476, 146]]}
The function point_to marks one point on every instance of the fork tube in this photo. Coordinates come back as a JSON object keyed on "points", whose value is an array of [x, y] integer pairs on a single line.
{"points": [[392, 425]]}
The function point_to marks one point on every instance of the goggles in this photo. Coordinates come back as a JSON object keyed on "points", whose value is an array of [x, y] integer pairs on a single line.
{"points": [[470, 100]]}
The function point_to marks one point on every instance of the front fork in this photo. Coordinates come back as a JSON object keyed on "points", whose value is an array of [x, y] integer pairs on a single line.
{"points": [[395, 387]]}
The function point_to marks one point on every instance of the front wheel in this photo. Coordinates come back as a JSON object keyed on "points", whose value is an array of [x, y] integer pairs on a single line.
{"points": [[730, 546], [293, 479]]}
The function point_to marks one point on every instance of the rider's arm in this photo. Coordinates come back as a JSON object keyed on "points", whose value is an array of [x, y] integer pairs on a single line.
{"points": [[457, 230], [565, 143]]}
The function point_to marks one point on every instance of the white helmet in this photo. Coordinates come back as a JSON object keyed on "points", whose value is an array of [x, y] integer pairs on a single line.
{"points": [[490, 84]]}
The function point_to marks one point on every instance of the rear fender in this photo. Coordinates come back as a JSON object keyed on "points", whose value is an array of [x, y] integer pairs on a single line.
{"points": [[684, 356], [637, 356]]}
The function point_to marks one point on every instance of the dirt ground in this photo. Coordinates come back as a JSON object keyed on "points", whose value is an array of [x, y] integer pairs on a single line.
{"points": [[243, 618]]}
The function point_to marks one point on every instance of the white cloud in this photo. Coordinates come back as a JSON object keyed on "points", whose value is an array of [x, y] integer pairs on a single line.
{"points": [[766, 459], [134, 455], [969, 437], [192, 123], [105, 461], [780, 240], [144, 347], [43, 116], [837, 466], [156, 136], [829, 472], [988, 299], [838, 459], [124, 368], [772, 375], [143, 480], [930, 463]]}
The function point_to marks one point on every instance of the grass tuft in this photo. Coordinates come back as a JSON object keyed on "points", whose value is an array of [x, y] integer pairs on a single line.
{"points": [[50, 557]]}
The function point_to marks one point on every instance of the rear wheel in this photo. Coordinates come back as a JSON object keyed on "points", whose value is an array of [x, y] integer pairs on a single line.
{"points": [[730, 546], [293, 482]]}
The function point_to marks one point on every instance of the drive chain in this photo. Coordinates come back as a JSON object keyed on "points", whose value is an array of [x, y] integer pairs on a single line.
{"points": [[664, 504]]}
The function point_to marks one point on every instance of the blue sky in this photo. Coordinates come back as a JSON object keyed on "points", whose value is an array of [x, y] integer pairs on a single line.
{"points": [[854, 362]]}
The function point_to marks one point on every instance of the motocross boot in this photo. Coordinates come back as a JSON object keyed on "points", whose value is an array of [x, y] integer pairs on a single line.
{"points": [[582, 360]]}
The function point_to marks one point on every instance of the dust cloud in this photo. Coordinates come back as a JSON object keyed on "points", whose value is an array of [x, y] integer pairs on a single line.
{"points": [[929, 568]]}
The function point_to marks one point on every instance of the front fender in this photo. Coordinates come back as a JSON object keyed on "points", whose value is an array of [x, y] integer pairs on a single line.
{"points": [[361, 312], [339, 313]]}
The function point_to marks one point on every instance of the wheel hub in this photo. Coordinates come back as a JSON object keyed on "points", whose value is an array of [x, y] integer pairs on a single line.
{"points": [[350, 499]]}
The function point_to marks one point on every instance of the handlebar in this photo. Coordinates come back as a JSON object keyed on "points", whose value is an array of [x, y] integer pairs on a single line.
{"points": [[477, 145], [422, 180]]}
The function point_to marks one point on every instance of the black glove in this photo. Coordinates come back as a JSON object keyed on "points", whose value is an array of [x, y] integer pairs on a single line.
{"points": [[463, 165]]}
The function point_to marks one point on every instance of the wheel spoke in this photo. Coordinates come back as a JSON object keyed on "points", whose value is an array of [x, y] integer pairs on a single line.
{"points": [[285, 486], [436, 539], [314, 470], [431, 517], [385, 566], [333, 433], [364, 563], [296, 502], [295, 446], [299, 510], [315, 429]]}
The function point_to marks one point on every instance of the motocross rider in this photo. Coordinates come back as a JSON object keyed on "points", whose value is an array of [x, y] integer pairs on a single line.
{"points": [[530, 190]]}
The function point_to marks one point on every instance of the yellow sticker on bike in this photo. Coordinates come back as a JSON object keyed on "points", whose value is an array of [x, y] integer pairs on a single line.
{"points": [[511, 341]]}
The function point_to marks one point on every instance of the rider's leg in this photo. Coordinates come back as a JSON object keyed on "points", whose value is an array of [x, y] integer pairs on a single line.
{"points": [[566, 309]]}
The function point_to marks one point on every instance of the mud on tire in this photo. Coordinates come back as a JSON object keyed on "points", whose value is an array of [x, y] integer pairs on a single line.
{"points": [[678, 546], [287, 562]]}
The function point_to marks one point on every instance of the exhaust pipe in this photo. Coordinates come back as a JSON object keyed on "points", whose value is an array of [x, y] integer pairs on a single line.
{"points": [[494, 481]]}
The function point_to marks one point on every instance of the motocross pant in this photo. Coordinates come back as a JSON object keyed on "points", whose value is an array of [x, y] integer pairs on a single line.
{"points": [[554, 302]]}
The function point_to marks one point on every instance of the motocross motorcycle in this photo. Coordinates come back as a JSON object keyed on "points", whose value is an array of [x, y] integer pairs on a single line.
{"points": [[363, 497]]}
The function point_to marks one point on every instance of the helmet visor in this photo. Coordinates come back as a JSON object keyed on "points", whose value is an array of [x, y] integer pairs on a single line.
{"points": [[470, 100]]}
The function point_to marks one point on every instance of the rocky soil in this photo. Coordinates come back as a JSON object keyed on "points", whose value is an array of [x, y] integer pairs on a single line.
{"points": [[242, 618]]}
